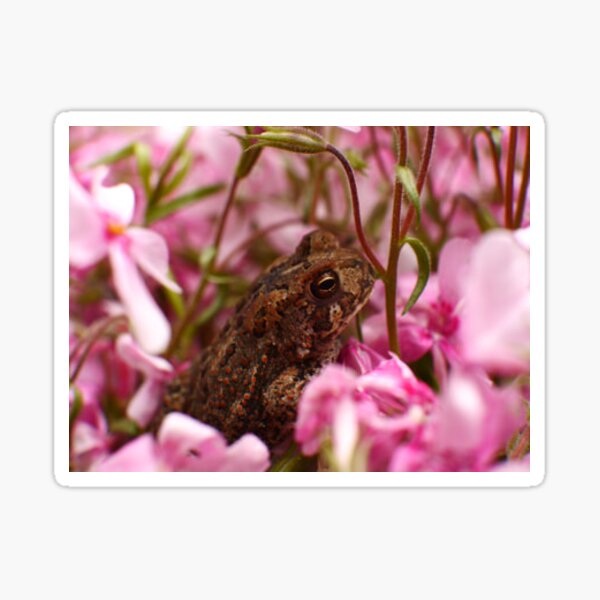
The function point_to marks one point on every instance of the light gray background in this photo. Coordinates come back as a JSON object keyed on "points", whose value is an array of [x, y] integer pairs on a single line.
{"points": [[285, 543]]}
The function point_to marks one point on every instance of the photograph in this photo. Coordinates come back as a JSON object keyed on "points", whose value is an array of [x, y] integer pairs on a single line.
{"points": [[324, 299]]}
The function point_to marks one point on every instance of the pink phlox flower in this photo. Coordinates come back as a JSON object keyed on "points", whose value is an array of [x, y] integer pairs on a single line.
{"points": [[359, 357], [185, 444], [90, 439], [156, 370], [475, 420], [433, 322], [471, 424], [366, 414], [318, 403], [513, 466], [394, 388], [99, 226], [495, 322]]}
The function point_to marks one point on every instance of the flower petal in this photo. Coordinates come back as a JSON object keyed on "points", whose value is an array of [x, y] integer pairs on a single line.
{"points": [[495, 318], [150, 252], [248, 453], [344, 433], [187, 444], [149, 325], [152, 366], [87, 243], [317, 403], [146, 401], [118, 201], [359, 357], [138, 455], [454, 263]]}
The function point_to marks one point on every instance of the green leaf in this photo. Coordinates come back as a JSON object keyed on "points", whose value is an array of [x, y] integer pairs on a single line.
{"points": [[76, 406], [356, 161], [109, 159], [292, 460], [485, 219], [250, 154], [186, 160], [289, 139], [126, 426], [424, 264], [224, 278], [168, 165], [209, 312], [142, 156], [304, 131], [161, 211], [496, 134], [406, 177], [175, 299], [207, 256]]}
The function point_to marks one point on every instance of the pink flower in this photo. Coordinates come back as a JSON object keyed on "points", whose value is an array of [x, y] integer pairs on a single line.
{"points": [[98, 227], [366, 416], [317, 406], [185, 444], [495, 322], [471, 424], [90, 439], [475, 420], [514, 466], [433, 322], [157, 371], [358, 357]]}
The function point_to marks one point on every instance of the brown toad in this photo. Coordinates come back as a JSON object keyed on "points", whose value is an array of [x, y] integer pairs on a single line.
{"points": [[282, 332]]}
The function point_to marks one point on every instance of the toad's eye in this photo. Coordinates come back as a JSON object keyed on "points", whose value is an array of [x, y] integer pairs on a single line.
{"points": [[325, 285]]}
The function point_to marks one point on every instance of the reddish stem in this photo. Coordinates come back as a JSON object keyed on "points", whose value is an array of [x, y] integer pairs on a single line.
{"points": [[510, 176], [377, 152], [94, 337], [524, 183], [495, 159], [421, 177], [356, 209], [520, 449]]}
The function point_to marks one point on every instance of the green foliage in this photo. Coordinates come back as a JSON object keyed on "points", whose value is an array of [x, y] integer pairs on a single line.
{"points": [[424, 265], [407, 178], [160, 211]]}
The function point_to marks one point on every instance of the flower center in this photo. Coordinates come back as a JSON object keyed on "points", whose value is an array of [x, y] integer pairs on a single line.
{"points": [[115, 228], [442, 318]]}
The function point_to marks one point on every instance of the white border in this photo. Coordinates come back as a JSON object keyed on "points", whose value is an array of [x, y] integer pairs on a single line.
{"points": [[231, 118]]}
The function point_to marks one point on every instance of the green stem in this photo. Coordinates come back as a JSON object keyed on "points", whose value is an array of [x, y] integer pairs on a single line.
{"points": [[194, 303], [390, 278], [356, 209]]}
